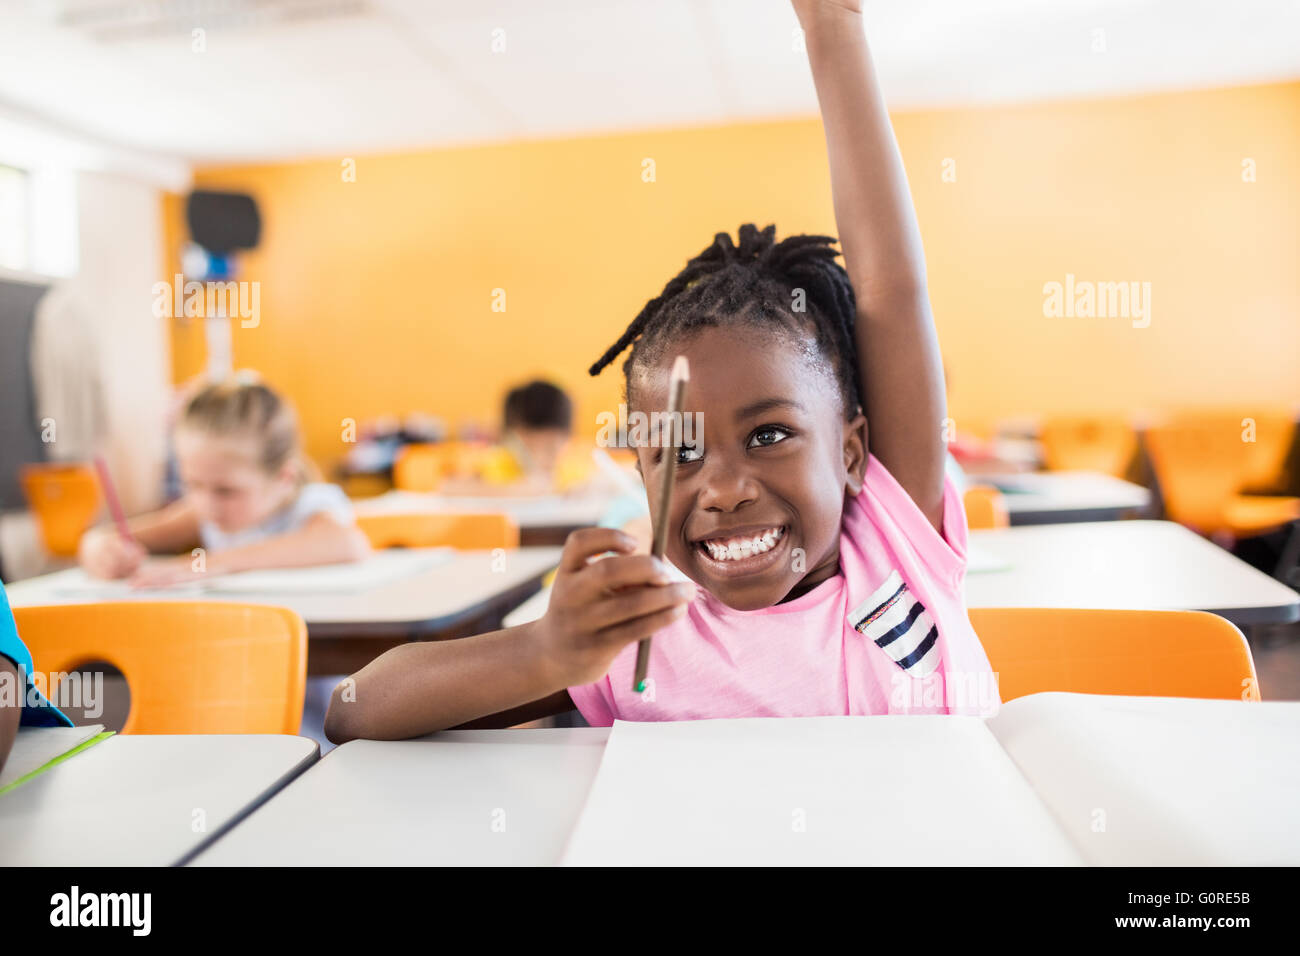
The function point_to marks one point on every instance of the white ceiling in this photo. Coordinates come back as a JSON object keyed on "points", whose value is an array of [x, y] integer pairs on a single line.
{"points": [[378, 75]]}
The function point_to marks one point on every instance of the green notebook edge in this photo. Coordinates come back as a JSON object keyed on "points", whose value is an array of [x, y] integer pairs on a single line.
{"points": [[84, 745]]}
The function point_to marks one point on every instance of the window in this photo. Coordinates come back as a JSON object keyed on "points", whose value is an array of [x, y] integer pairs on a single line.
{"points": [[38, 221], [15, 220]]}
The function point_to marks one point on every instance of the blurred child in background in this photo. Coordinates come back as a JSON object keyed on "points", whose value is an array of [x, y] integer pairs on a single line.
{"points": [[246, 500], [535, 455]]}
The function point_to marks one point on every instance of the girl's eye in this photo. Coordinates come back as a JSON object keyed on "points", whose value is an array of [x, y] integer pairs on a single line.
{"points": [[687, 454], [769, 435]]}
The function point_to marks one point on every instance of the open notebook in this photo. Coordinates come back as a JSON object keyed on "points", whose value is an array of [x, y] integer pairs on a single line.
{"points": [[36, 749], [1053, 779], [381, 568]]}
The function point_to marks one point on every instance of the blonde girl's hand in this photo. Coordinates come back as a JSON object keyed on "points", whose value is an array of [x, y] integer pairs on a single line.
{"points": [[166, 573], [598, 607], [103, 553]]}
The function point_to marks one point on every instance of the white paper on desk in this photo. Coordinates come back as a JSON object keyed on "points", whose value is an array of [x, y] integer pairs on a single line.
{"points": [[886, 790], [1163, 781], [381, 568], [77, 583], [34, 747]]}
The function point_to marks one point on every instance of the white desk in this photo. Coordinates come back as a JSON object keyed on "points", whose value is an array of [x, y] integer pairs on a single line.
{"points": [[514, 797], [418, 605], [1125, 564], [1107, 564], [462, 797], [135, 800], [530, 610], [466, 595], [1052, 497]]}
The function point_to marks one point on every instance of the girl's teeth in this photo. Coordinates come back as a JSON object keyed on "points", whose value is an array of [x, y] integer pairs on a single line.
{"points": [[744, 548]]}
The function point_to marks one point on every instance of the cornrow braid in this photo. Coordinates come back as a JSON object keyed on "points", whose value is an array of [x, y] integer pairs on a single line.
{"points": [[752, 282]]}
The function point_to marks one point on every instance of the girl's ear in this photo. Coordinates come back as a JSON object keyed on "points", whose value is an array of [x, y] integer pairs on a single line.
{"points": [[855, 452]]}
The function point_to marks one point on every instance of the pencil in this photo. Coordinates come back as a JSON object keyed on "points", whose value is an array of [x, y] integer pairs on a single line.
{"points": [[681, 374], [110, 496]]}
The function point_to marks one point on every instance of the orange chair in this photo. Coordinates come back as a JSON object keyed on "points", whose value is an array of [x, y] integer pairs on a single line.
{"points": [[192, 667], [65, 500], [985, 508], [1088, 444], [1202, 463], [419, 467], [440, 529], [1133, 653], [422, 467]]}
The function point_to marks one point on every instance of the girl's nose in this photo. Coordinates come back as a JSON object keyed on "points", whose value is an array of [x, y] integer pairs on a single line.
{"points": [[726, 486]]}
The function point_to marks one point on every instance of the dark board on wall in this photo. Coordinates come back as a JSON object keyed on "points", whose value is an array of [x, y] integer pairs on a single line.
{"points": [[20, 436]]}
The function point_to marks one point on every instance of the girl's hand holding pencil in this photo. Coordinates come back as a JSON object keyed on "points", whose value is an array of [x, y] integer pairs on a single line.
{"points": [[104, 553], [598, 607], [108, 553]]}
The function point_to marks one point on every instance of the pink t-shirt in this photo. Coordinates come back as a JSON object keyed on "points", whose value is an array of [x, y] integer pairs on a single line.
{"points": [[887, 635]]}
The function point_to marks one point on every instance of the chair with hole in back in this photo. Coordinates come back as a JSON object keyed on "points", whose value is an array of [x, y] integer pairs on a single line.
{"points": [[440, 529], [64, 499], [985, 508], [192, 667], [1129, 653]]}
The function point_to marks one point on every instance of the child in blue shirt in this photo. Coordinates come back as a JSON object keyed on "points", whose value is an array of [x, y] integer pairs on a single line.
{"points": [[21, 702]]}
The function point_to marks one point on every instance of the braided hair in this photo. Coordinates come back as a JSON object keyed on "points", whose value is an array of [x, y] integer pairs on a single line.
{"points": [[753, 284]]}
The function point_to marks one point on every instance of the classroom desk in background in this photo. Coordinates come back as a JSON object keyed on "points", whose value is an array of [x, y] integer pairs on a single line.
{"points": [[146, 799], [1141, 565], [1055, 497], [459, 798], [543, 520], [467, 594]]}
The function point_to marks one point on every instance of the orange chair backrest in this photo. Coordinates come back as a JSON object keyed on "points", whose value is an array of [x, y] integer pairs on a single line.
{"points": [[419, 467], [65, 500], [1201, 463], [1270, 433], [1088, 444], [985, 508], [1131, 653], [192, 667], [422, 467], [440, 529]]}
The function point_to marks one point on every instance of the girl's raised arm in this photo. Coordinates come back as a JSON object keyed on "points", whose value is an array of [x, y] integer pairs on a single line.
{"points": [[899, 367]]}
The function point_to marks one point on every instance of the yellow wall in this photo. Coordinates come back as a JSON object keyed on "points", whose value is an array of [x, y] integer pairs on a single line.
{"points": [[376, 295]]}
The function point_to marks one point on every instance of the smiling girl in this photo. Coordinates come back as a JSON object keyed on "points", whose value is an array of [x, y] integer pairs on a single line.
{"points": [[813, 513]]}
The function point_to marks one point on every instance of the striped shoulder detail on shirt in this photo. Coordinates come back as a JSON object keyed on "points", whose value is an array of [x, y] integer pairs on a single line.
{"points": [[900, 626]]}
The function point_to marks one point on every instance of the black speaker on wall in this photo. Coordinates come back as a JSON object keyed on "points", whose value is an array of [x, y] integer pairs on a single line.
{"points": [[223, 222]]}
